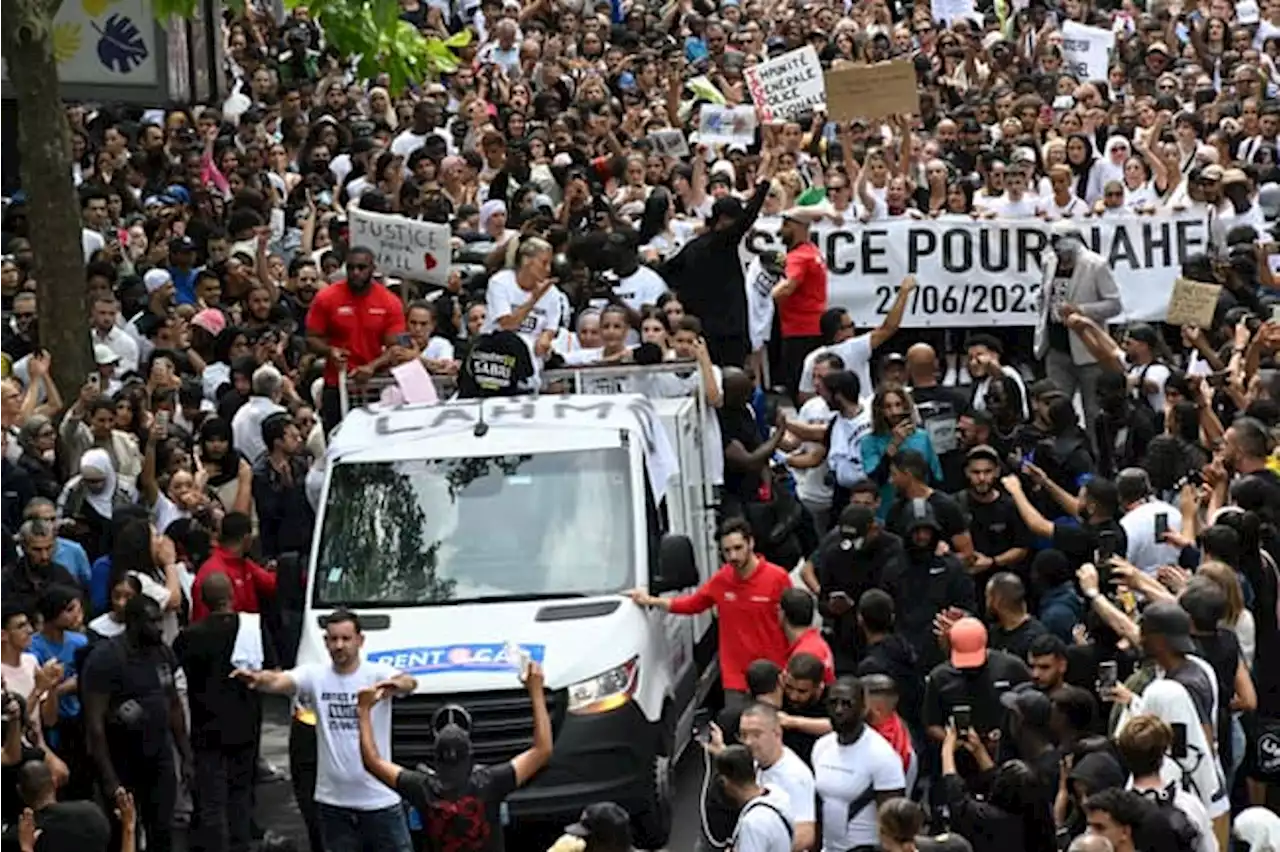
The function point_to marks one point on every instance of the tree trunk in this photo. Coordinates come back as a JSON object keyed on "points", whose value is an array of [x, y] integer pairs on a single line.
{"points": [[53, 209]]}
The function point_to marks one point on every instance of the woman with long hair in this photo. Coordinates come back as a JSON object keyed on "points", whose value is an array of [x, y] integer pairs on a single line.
{"points": [[893, 430]]}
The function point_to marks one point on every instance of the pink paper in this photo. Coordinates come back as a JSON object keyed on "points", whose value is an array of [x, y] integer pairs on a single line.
{"points": [[415, 382]]}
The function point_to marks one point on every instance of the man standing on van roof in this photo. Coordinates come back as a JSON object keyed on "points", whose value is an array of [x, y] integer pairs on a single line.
{"points": [[746, 592]]}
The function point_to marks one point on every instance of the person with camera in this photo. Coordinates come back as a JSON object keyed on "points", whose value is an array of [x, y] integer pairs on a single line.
{"points": [[459, 801]]}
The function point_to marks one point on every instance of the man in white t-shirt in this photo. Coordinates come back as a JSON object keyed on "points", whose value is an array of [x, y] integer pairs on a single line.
{"points": [[781, 769], [854, 770], [1017, 202], [526, 300], [356, 812], [808, 459], [1142, 514], [855, 351], [1147, 376], [765, 823]]}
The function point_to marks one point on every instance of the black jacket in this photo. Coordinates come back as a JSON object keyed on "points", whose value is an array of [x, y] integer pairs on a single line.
{"points": [[894, 656], [707, 274], [880, 565]]}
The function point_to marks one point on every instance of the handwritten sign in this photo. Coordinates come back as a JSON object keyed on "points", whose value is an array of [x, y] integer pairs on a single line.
{"points": [[403, 247], [669, 143], [1086, 50], [1192, 303], [872, 91], [726, 125], [788, 85]]}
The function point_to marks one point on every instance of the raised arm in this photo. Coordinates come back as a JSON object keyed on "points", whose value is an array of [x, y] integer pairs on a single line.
{"points": [[530, 761], [1037, 524], [375, 764], [893, 321]]}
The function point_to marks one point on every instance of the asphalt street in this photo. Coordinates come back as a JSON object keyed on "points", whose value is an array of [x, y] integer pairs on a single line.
{"points": [[278, 812]]}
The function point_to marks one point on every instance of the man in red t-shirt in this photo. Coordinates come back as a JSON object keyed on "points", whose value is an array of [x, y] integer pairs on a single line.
{"points": [[801, 295], [352, 324], [745, 592], [797, 608]]}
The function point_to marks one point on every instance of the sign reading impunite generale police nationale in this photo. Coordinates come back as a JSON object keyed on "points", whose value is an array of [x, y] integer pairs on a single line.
{"points": [[988, 272]]}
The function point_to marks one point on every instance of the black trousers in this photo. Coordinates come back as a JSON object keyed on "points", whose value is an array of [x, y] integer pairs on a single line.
{"points": [[302, 773], [728, 350], [794, 351], [330, 408], [153, 781], [224, 797]]}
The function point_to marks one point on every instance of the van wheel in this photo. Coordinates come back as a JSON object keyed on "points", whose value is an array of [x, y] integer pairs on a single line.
{"points": [[653, 819]]}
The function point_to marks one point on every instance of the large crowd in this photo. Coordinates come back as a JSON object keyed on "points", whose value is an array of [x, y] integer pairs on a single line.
{"points": [[1013, 588]]}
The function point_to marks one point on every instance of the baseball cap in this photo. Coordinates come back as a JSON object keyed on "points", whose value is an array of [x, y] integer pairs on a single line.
{"points": [[605, 824], [1158, 47], [155, 279], [1030, 703], [183, 243], [943, 843], [104, 354], [1211, 172], [1170, 621], [211, 320], [968, 638], [855, 521]]}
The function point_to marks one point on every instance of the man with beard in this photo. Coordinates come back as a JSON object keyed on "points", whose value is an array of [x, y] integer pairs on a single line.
{"points": [[909, 475], [134, 719], [855, 769], [1123, 428], [1091, 518], [300, 289], [851, 559], [349, 324], [999, 536], [932, 584], [801, 296], [458, 800]]}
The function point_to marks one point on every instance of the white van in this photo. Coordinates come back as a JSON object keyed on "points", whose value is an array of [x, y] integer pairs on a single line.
{"points": [[457, 528]]}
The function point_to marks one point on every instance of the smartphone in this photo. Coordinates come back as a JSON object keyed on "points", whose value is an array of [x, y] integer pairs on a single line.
{"points": [[1219, 379], [1162, 525], [162, 419], [1106, 546], [702, 726], [1106, 676], [962, 717], [1178, 748], [1275, 313], [518, 657], [404, 340]]}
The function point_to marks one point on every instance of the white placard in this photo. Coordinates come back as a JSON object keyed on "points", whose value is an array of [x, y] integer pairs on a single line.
{"points": [[788, 85], [669, 143], [952, 10], [403, 247], [1086, 50], [1247, 12], [987, 273], [719, 125]]}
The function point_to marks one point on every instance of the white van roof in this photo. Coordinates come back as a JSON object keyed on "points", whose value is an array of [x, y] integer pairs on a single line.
{"points": [[374, 428]]}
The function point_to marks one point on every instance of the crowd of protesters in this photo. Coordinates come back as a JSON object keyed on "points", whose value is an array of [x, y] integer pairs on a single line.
{"points": [[1044, 560]]}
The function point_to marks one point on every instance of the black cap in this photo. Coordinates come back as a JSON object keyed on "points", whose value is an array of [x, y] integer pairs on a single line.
{"points": [[1170, 621], [605, 824], [183, 243], [1030, 703], [856, 520]]}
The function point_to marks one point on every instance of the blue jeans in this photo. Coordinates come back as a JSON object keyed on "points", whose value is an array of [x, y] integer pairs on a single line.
{"points": [[348, 830]]}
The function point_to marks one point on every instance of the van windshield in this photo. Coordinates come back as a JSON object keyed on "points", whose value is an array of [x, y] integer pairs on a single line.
{"points": [[442, 531]]}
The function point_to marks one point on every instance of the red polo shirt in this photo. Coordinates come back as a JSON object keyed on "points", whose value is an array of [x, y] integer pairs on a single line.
{"points": [[748, 611], [360, 324], [249, 582], [801, 312], [811, 642]]}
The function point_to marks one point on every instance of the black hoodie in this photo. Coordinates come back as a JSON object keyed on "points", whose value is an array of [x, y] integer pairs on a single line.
{"points": [[840, 567], [931, 584], [894, 656]]}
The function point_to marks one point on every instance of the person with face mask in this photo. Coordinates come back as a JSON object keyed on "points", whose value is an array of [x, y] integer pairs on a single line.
{"points": [[855, 770], [134, 718], [459, 801], [1076, 280]]}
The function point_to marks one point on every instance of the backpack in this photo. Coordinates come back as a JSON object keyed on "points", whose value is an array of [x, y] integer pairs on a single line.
{"points": [[1168, 829]]}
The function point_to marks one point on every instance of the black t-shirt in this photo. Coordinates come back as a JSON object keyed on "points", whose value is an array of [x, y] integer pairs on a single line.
{"points": [[1018, 640], [224, 712], [78, 825], [945, 509], [996, 526], [1080, 542], [739, 425], [798, 741], [948, 687], [469, 821], [139, 685], [498, 364]]}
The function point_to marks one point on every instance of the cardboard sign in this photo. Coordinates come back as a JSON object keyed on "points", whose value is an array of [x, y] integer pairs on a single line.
{"points": [[872, 91], [1192, 303], [669, 143], [726, 125], [403, 247], [788, 85], [1086, 50]]}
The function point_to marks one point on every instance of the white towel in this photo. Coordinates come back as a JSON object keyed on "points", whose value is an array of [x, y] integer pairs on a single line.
{"points": [[247, 653]]}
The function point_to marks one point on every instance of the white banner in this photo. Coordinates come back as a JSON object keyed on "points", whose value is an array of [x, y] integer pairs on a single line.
{"points": [[788, 85], [987, 273], [405, 248], [1086, 50]]}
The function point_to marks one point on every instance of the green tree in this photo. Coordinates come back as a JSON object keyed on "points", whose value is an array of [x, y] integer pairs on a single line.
{"points": [[369, 29]]}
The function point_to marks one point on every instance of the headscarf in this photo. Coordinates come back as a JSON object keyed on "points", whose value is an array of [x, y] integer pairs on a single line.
{"points": [[1260, 828], [103, 501], [488, 210], [390, 115], [1198, 773]]}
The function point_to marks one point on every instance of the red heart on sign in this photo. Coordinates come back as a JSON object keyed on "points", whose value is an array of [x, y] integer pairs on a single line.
{"points": [[429, 261]]}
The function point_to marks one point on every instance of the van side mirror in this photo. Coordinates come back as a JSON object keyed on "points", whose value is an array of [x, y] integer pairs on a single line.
{"points": [[676, 566]]}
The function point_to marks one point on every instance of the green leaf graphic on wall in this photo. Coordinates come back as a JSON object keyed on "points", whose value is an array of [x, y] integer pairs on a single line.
{"points": [[121, 47], [67, 38]]}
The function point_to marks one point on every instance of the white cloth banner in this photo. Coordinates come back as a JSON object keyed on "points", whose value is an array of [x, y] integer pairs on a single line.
{"points": [[788, 85], [406, 248], [1086, 50], [987, 273]]}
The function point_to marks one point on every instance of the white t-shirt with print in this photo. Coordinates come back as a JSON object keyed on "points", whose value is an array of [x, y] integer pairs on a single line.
{"points": [[1156, 374], [505, 296], [813, 485], [856, 354], [640, 288], [841, 774], [341, 779]]}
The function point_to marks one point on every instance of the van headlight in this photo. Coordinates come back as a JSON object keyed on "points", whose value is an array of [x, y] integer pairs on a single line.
{"points": [[606, 691]]}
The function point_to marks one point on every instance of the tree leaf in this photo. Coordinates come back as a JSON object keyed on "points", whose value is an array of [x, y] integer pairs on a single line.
{"points": [[458, 39]]}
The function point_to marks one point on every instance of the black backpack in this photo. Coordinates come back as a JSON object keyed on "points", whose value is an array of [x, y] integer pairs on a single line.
{"points": [[1167, 828]]}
